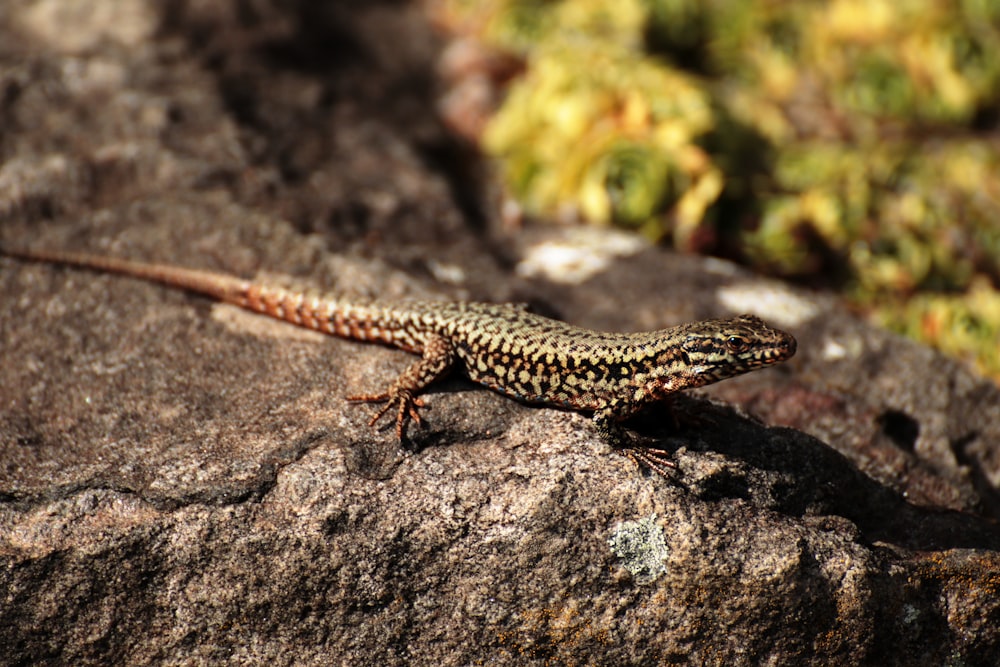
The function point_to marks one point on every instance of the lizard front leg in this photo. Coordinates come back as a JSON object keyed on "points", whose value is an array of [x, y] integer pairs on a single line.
{"points": [[607, 421], [437, 359]]}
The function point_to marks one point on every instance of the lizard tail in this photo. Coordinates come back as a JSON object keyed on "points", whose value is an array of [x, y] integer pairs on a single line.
{"points": [[217, 285], [357, 319]]}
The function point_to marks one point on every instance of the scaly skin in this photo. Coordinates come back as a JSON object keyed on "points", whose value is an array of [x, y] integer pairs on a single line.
{"points": [[500, 346]]}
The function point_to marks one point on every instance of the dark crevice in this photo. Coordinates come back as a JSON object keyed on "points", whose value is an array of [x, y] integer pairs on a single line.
{"points": [[902, 429]]}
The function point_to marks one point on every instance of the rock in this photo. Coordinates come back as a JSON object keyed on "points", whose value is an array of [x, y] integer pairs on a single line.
{"points": [[183, 482]]}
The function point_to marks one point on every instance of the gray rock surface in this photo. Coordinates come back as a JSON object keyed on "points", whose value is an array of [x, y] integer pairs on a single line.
{"points": [[183, 483]]}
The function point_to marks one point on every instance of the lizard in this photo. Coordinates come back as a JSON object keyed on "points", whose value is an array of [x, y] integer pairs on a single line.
{"points": [[503, 347]]}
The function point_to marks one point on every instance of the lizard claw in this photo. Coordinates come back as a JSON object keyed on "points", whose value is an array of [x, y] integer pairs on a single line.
{"points": [[403, 400], [657, 460]]}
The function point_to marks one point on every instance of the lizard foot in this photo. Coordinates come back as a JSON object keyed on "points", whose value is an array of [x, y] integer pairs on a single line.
{"points": [[657, 460], [402, 400]]}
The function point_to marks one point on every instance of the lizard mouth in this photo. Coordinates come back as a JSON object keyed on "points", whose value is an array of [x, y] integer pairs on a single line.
{"points": [[786, 349], [773, 354]]}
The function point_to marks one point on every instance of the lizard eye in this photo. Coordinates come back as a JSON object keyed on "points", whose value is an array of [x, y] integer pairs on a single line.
{"points": [[737, 344]]}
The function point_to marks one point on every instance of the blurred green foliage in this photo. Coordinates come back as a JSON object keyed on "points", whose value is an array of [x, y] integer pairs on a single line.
{"points": [[578, 131], [850, 142]]}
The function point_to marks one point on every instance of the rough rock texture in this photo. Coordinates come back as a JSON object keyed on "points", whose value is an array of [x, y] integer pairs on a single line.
{"points": [[183, 483]]}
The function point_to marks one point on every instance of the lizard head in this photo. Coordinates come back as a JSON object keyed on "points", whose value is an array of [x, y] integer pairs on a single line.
{"points": [[714, 350]]}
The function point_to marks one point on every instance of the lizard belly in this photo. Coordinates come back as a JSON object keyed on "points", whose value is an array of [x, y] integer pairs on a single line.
{"points": [[536, 381]]}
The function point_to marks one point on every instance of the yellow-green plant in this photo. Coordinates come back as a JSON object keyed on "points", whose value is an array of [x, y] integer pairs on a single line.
{"points": [[591, 131]]}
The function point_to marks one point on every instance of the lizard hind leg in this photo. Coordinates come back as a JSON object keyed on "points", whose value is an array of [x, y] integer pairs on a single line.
{"points": [[438, 358]]}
